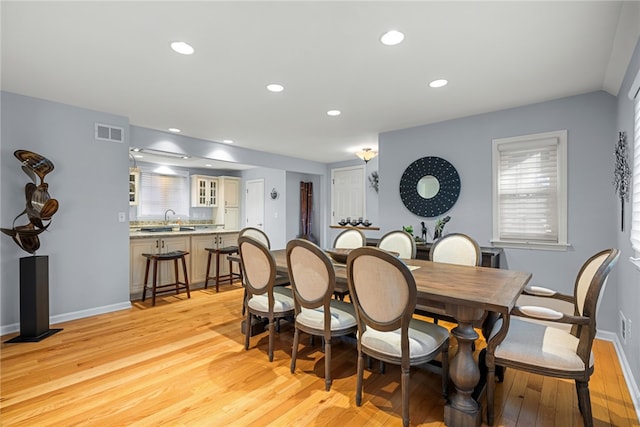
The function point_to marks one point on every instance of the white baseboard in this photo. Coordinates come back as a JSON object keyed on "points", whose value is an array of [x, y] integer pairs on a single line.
{"points": [[59, 318], [626, 369]]}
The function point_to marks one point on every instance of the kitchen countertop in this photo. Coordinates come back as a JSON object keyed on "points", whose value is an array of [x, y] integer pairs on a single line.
{"points": [[199, 231]]}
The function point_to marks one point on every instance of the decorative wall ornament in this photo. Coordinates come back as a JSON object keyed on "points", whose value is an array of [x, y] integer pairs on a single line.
{"points": [[622, 174], [40, 207], [373, 180], [430, 186], [274, 194]]}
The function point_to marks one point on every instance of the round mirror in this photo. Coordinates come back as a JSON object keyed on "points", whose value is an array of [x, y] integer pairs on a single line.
{"points": [[428, 186]]}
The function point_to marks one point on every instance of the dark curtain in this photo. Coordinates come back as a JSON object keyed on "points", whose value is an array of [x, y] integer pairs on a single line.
{"points": [[306, 210]]}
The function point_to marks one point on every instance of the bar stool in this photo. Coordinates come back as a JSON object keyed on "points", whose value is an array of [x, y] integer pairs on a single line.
{"points": [[169, 287], [228, 250]]}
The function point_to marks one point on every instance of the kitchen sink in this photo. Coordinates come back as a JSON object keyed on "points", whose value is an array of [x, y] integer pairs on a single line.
{"points": [[165, 229]]}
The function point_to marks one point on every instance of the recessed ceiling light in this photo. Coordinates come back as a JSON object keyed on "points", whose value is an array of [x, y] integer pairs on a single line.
{"points": [[392, 38], [174, 130], [182, 47], [275, 87], [438, 83], [208, 164], [334, 112], [227, 141], [135, 149], [138, 156]]}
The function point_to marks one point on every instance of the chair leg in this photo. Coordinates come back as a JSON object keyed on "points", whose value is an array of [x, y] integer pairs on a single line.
{"points": [[405, 396], [244, 301], [294, 349], [272, 333], [186, 278], [247, 330], [206, 281], [359, 379], [146, 277], [584, 402], [327, 364]]}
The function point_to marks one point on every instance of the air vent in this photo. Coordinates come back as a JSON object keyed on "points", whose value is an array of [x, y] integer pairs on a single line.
{"points": [[109, 133]]}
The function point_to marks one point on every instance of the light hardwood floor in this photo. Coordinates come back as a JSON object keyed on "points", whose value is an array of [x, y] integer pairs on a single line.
{"points": [[183, 363]]}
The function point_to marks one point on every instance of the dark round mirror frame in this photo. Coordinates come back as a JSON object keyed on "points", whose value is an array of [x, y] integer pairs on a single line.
{"points": [[447, 176]]}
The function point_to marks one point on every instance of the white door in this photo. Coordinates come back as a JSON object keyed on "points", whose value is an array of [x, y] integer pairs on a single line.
{"points": [[254, 204]]}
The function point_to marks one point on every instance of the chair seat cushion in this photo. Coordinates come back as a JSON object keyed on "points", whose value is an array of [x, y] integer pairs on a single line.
{"points": [[343, 316], [283, 301], [540, 345], [425, 339]]}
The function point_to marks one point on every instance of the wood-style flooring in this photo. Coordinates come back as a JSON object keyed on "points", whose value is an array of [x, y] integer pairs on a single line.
{"points": [[183, 363]]}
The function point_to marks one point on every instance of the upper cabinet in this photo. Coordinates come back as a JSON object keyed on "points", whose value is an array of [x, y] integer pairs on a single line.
{"points": [[134, 180], [229, 193], [204, 191]]}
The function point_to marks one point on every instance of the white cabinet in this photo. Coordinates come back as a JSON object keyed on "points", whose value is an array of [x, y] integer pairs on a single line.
{"points": [[229, 206], [199, 254], [153, 245], [134, 180], [204, 191]]}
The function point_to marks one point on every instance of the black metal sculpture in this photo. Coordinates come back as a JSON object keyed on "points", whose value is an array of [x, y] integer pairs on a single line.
{"points": [[40, 207]]}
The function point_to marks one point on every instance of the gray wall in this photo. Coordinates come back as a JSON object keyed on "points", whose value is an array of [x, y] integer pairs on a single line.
{"points": [[467, 144], [628, 275], [87, 246]]}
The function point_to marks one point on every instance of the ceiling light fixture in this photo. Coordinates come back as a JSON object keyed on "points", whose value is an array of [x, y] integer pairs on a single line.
{"points": [[366, 154], [174, 130], [182, 48], [438, 83], [392, 38], [275, 87], [334, 113], [164, 153], [227, 141]]}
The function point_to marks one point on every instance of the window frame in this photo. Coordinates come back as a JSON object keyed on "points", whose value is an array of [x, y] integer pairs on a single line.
{"points": [[181, 212], [634, 233], [531, 141]]}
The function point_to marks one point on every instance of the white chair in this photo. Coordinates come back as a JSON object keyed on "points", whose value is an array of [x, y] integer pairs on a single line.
{"points": [[400, 242], [546, 350], [313, 280], [262, 300], [384, 293], [349, 239]]}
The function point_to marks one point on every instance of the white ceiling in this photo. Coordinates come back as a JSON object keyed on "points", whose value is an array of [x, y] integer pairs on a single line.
{"points": [[115, 57]]}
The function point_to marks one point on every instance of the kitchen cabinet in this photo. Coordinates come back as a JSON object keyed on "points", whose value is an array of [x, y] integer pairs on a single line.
{"points": [[153, 245], [204, 191], [199, 254], [228, 212], [134, 185]]}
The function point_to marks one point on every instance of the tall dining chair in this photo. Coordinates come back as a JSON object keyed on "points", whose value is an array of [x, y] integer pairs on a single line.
{"points": [[454, 248], [349, 239], [259, 269], [546, 350], [384, 293], [313, 279], [261, 237], [400, 242]]}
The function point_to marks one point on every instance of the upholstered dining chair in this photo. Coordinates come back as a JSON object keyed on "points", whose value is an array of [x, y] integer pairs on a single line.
{"points": [[546, 350], [454, 248], [261, 237], [384, 293], [349, 239], [313, 279], [400, 242], [259, 269]]}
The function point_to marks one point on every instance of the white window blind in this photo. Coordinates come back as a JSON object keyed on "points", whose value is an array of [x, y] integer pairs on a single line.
{"points": [[530, 190], [635, 196], [159, 192]]}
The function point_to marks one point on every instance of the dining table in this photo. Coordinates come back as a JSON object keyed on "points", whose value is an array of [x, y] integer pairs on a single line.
{"points": [[466, 294]]}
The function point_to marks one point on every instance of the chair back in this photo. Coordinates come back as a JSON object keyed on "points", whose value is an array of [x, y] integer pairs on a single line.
{"points": [[311, 274], [456, 248], [257, 234], [399, 241], [590, 284], [350, 239], [382, 289], [258, 265]]}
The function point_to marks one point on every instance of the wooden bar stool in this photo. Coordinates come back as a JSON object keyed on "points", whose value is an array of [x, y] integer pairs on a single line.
{"points": [[169, 287], [228, 250]]}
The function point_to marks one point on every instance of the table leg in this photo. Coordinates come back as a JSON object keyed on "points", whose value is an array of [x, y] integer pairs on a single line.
{"points": [[462, 409]]}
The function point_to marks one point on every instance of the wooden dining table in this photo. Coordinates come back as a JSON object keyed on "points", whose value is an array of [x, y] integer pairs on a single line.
{"points": [[466, 294]]}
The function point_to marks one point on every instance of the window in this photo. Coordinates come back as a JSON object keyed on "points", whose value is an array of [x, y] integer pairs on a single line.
{"points": [[160, 192], [529, 191], [347, 193]]}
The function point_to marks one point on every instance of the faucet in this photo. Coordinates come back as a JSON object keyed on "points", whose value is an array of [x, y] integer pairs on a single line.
{"points": [[166, 221]]}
